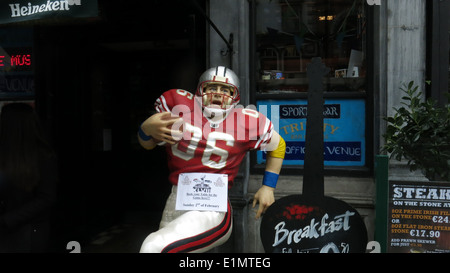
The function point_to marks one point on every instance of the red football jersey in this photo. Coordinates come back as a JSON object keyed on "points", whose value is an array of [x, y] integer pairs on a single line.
{"points": [[213, 147], [175, 98]]}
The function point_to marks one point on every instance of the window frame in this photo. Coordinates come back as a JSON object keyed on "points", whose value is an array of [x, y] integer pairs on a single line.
{"points": [[352, 171]]}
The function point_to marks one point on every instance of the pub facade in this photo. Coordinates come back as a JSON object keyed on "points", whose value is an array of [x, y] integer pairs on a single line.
{"points": [[96, 70]]}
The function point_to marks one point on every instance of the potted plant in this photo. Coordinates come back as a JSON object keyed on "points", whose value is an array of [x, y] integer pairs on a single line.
{"points": [[419, 132]]}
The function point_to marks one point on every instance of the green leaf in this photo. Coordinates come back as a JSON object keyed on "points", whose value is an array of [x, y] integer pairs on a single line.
{"points": [[420, 132]]}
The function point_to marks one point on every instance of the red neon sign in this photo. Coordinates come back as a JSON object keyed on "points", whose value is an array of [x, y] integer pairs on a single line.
{"points": [[21, 60], [18, 60]]}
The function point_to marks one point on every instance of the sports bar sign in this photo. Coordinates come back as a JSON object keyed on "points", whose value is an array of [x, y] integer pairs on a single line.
{"points": [[24, 10], [344, 130]]}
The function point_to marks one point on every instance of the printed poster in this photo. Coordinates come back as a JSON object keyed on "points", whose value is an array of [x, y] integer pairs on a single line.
{"points": [[419, 217], [202, 191]]}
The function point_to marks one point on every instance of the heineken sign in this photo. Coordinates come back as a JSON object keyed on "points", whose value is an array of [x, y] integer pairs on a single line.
{"points": [[23, 10]]}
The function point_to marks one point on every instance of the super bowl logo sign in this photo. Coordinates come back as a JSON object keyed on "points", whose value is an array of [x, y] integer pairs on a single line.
{"points": [[201, 185], [309, 228]]}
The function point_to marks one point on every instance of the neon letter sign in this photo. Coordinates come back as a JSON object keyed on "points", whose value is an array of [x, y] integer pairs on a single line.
{"points": [[18, 60]]}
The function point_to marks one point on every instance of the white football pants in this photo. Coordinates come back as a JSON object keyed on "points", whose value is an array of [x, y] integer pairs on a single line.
{"points": [[188, 231]]}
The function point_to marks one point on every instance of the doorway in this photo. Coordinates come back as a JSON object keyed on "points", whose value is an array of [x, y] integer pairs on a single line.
{"points": [[96, 83]]}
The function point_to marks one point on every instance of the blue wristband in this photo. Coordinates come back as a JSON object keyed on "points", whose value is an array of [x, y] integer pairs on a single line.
{"points": [[270, 179], [142, 134]]}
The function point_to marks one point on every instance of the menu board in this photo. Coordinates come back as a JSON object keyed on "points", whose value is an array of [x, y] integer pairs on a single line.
{"points": [[419, 217]]}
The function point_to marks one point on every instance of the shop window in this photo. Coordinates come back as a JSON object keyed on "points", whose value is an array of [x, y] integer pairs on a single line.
{"points": [[16, 64], [290, 32], [287, 35]]}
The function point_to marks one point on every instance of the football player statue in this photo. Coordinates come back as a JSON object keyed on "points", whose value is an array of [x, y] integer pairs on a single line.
{"points": [[207, 133]]}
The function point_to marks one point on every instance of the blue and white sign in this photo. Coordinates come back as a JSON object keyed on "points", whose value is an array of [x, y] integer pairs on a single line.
{"points": [[344, 130]]}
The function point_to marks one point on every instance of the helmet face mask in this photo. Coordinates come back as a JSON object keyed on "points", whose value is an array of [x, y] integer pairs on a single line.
{"points": [[218, 90], [218, 95]]}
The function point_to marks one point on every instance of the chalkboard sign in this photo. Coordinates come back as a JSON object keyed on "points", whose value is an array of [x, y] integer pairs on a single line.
{"points": [[303, 225], [312, 222], [419, 217]]}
